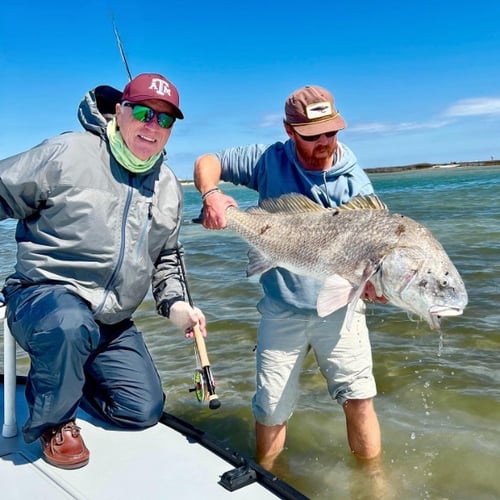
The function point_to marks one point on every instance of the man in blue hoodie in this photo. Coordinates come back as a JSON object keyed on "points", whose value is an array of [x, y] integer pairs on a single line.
{"points": [[314, 163]]}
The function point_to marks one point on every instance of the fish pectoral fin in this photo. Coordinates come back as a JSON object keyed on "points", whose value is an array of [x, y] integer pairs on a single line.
{"points": [[335, 293], [356, 296], [258, 263]]}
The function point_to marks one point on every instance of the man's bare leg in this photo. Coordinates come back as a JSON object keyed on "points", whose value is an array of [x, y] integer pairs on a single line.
{"points": [[363, 434], [363, 430], [270, 441]]}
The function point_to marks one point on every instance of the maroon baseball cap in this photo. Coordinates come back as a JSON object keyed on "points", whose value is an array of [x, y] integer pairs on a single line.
{"points": [[152, 86], [311, 110]]}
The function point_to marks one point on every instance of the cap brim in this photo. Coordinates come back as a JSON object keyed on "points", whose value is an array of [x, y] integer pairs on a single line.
{"points": [[337, 123], [178, 113]]}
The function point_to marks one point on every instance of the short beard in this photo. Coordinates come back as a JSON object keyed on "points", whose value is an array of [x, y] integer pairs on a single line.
{"points": [[312, 161]]}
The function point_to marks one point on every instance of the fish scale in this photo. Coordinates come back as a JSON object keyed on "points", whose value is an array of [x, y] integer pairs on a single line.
{"points": [[288, 238]]}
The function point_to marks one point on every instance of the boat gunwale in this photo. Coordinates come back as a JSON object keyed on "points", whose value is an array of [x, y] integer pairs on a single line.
{"points": [[265, 478]]}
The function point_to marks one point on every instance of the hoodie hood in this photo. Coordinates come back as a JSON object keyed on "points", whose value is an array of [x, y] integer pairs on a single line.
{"points": [[336, 185], [97, 108]]}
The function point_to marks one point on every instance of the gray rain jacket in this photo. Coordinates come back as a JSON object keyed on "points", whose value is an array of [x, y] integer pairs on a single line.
{"points": [[87, 223]]}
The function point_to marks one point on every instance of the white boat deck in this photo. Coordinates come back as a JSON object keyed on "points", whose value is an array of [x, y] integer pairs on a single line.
{"points": [[160, 462]]}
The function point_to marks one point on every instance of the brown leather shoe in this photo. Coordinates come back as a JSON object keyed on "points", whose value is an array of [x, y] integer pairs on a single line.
{"points": [[63, 446]]}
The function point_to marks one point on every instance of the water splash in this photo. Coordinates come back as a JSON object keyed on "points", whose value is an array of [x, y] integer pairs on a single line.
{"points": [[440, 344]]}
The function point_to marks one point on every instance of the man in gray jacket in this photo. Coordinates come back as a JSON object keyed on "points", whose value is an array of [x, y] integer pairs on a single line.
{"points": [[99, 217]]}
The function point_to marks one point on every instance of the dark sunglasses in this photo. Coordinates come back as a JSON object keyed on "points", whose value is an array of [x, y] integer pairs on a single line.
{"points": [[312, 138], [146, 114]]}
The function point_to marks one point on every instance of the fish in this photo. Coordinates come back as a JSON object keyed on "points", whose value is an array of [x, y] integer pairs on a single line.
{"points": [[348, 246]]}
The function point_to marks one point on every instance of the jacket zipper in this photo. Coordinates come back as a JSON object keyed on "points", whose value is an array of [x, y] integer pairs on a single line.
{"points": [[121, 254]]}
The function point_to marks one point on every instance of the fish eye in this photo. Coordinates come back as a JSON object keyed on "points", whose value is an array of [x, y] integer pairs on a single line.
{"points": [[444, 281]]}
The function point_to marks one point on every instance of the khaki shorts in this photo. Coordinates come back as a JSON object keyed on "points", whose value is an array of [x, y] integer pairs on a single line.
{"points": [[284, 339]]}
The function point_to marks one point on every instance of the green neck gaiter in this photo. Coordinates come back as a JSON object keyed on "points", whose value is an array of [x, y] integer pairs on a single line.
{"points": [[123, 154]]}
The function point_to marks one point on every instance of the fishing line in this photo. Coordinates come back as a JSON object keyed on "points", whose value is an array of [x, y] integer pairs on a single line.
{"points": [[203, 379]]}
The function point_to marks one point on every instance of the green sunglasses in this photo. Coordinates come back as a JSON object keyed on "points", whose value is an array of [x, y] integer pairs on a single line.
{"points": [[146, 114]]}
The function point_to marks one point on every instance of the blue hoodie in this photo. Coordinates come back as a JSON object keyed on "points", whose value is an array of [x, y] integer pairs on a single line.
{"points": [[275, 170]]}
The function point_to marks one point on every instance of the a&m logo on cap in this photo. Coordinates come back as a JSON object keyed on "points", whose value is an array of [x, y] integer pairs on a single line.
{"points": [[318, 110], [160, 86]]}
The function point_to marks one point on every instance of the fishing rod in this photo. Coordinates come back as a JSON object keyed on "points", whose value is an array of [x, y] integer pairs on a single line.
{"points": [[120, 47], [203, 379]]}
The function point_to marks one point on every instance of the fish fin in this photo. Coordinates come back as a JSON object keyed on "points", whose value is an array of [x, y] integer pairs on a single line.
{"points": [[258, 263], [288, 203], [335, 293], [295, 203], [352, 304], [369, 202], [367, 274]]}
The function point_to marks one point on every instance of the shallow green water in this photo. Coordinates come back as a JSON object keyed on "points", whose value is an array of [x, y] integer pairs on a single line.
{"points": [[439, 399]]}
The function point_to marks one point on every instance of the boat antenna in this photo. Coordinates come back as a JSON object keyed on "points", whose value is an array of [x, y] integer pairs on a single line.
{"points": [[120, 47]]}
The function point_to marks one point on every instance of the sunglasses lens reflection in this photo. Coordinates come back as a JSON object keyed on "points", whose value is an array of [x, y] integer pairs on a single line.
{"points": [[145, 114]]}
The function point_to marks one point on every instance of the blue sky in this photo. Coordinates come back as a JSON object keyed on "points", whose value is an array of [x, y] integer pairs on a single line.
{"points": [[415, 81]]}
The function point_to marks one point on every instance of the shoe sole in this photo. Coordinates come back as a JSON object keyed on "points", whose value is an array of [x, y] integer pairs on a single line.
{"points": [[66, 466]]}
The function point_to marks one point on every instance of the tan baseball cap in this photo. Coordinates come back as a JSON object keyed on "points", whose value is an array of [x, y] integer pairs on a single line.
{"points": [[311, 111]]}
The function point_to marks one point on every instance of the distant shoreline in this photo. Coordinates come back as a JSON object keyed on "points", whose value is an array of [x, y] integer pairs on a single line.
{"points": [[420, 166], [417, 166]]}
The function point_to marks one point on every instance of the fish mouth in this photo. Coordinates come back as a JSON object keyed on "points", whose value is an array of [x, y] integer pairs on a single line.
{"points": [[437, 312], [445, 311]]}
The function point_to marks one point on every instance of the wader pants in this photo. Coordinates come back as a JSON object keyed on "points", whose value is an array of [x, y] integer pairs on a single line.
{"points": [[76, 361]]}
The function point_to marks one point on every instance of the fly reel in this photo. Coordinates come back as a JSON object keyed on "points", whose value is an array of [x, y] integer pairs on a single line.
{"points": [[200, 386]]}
